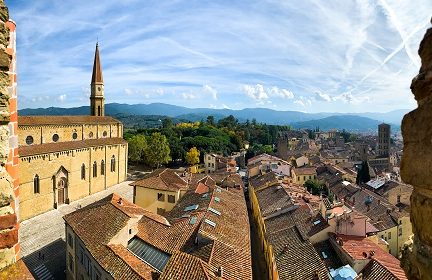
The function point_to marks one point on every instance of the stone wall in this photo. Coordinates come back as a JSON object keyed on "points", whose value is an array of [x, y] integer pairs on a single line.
{"points": [[9, 216], [416, 167]]}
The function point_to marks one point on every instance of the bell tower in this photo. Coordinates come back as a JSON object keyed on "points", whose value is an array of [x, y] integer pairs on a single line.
{"points": [[97, 99]]}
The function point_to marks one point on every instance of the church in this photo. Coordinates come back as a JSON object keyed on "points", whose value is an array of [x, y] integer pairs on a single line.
{"points": [[65, 158]]}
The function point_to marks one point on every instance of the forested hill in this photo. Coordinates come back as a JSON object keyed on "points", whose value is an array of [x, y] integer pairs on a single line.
{"points": [[139, 115]]}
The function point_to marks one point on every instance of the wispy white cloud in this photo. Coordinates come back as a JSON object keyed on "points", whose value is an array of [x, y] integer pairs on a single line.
{"points": [[274, 52], [210, 90]]}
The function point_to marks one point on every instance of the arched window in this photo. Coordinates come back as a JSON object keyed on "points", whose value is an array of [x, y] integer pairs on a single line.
{"points": [[83, 171], [94, 169], [113, 164], [102, 167], [36, 184]]}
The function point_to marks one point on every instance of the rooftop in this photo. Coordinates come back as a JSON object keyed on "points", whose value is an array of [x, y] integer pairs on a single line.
{"points": [[162, 179], [64, 120], [47, 148]]}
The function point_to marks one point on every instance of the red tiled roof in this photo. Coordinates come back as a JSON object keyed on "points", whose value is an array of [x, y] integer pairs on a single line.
{"points": [[64, 120], [66, 146], [305, 171], [357, 246], [162, 179]]}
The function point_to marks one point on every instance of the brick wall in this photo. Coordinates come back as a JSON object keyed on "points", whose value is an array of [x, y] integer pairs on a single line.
{"points": [[9, 192]]}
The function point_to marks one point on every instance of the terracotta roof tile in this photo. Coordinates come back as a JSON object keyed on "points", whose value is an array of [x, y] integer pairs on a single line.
{"points": [[162, 179], [65, 146], [295, 257], [357, 246], [65, 120]]}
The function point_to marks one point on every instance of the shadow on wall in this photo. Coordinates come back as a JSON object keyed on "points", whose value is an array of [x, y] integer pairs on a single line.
{"points": [[48, 262]]}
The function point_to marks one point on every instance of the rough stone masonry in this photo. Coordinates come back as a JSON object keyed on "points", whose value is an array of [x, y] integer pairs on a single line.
{"points": [[9, 221], [416, 167]]}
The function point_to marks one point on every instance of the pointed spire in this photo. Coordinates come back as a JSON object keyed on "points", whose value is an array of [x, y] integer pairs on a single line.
{"points": [[97, 68]]}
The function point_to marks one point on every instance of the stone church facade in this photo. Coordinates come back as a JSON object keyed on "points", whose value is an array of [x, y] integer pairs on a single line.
{"points": [[65, 158]]}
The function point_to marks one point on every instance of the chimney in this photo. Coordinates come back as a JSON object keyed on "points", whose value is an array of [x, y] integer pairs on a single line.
{"points": [[219, 271]]}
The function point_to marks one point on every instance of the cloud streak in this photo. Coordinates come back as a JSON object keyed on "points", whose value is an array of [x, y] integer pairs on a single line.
{"points": [[309, 54]]}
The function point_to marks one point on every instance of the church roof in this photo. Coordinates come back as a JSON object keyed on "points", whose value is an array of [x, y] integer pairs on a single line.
{"points": [[97, 68], [65, 146], [64, 120]]}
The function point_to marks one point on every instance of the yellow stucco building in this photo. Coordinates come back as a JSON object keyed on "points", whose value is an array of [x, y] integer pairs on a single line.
{"points": [[159, 191], [65, 158]]}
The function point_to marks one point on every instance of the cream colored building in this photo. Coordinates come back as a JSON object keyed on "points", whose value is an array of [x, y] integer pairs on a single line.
{"points": [[301, 175], [159, 191], [65, 158]]}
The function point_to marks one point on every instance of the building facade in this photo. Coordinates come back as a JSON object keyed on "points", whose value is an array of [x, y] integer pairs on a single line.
{"points": [[65, 158]]}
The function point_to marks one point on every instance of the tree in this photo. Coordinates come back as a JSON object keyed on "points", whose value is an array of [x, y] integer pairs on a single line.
{"points": [[210, 120], [158, 150], [137, 147], [192, 157], [314, 187], [167, 123], [363, 174]]}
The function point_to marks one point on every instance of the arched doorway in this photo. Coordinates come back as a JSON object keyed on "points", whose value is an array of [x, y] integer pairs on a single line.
{"points": [[61, 190], [60, 184]]}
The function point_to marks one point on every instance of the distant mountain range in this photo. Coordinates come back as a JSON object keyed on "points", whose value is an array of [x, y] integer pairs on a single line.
{"points": [[362, 122]]}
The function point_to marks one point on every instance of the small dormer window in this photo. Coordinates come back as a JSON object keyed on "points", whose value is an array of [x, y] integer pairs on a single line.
{"points": [[74, 136], [105, 134]]}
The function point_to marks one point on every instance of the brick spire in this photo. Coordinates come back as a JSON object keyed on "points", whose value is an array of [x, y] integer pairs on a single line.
{"points": [[97, 68]]}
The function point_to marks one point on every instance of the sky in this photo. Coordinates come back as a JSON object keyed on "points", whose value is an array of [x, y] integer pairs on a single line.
{"points": [[302, 55]]}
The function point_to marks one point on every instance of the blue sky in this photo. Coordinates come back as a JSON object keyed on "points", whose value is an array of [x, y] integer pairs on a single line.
{"points": [[312, 56]]}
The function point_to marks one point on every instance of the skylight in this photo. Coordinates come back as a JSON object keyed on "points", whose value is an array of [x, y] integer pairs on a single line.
{"points": [[205, 195], [149, 254], [191, 207], [217, 199], [324, 255], [218, 190], [207, 221], [317, 222], [193, 220], [214, 211]]}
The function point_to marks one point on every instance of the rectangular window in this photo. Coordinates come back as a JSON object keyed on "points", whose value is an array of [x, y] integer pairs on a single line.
{"points": [[400, 231], [70, 240], [171, 199], [160, 211], [389, 235], [96, 274], [134, 194], [71, 263], [209, 164], [298, 178], [161, 197], [81, 255], [398, 199]]}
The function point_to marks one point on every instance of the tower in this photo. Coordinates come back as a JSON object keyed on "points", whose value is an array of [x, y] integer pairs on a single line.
{"points": [[383, 140], [97, 99]]}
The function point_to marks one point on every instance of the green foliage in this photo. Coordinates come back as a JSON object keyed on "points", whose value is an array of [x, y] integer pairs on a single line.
{"points": [[363, 174], [315, 187], [192, 157], [226, 137], [137, 148], [158, 150]]}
